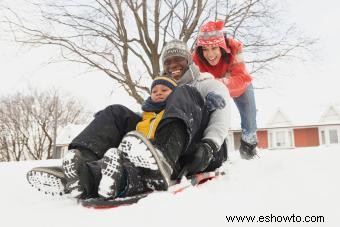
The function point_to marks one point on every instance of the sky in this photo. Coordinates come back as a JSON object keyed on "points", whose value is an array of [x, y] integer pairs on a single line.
{"points": [[301, 182], [317, 79], [312, 82]]}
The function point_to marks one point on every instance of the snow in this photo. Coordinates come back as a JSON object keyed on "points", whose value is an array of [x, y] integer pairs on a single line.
{"points": [[301, 182]]}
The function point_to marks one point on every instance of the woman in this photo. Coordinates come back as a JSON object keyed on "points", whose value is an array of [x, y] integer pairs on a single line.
{"points": [[222, 57]]}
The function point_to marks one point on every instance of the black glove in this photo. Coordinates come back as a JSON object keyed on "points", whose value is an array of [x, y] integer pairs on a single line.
{"points": [[202, 156], [214, 101]]}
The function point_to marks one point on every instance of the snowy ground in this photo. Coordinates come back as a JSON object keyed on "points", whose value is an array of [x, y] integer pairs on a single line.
{"points": [[297, 183]]}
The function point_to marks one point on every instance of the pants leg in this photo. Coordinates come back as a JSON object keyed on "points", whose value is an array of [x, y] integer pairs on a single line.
{"points": [[187, 105], [172, 140], [247, 109], [106, 130]]}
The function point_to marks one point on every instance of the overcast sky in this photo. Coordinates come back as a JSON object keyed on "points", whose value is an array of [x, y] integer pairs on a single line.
{"points": [[312, 82]]}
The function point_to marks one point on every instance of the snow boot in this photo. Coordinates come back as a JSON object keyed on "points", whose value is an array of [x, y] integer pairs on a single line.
{"points": [[149, 161], [79, 178], [247, 150], [112, 172], [48, 180]]}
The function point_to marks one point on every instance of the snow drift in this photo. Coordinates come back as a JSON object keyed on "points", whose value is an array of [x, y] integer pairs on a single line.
{"points": [[299, 183]]}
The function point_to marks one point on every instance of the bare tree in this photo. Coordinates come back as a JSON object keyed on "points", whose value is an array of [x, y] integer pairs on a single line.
{"points": [[27, 122], [124, 38]]}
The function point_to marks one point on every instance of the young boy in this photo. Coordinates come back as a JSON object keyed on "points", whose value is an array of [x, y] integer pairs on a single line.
{"points": [[154, 106], [120, 176]]}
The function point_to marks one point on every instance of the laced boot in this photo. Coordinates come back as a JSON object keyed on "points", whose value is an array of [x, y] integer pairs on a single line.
{"points": [[78, 175], [48, 180], [149, 161], [112, 171]]}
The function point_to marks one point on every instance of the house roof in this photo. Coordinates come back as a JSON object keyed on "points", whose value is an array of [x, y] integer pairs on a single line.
{"points": [[65, 135], [290, 115], [331, 115]]}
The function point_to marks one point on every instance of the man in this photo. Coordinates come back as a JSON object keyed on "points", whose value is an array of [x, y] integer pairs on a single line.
{"points": [[110, 158], [188, 136]]}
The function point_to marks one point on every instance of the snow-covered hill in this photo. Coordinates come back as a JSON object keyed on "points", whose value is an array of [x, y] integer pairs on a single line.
{"points": [[300, 184]]}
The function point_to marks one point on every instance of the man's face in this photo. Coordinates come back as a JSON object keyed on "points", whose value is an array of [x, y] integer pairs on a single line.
{"points": [[175, 67]]}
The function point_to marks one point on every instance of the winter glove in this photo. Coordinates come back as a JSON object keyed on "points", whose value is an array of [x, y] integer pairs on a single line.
{"points": [[202, 156], [214, 101]]}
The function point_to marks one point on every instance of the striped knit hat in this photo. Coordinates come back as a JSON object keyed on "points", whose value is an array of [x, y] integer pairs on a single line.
{"points": [[211, 33], [165, 81], [176, 48]]}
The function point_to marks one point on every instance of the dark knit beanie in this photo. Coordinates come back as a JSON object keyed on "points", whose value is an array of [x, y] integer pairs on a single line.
{"points": [[165, 81], [176, 48]]}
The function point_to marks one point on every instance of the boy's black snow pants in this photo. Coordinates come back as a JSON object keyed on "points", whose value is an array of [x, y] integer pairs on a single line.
{"points": [[106, 130]]}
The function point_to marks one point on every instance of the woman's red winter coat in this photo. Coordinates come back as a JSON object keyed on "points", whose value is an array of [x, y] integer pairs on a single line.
{"points": [[233, 73]]}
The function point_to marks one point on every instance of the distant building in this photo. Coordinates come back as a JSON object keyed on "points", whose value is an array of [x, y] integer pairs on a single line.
{"points": [[295, 127], [64, 138]]}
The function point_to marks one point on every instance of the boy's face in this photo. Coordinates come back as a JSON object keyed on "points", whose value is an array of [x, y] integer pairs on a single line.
{"points": [[160, 92], [175, 67]]}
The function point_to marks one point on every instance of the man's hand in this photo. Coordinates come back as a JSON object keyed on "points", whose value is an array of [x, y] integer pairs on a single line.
{"points": [[202, 156], [214, 101]]}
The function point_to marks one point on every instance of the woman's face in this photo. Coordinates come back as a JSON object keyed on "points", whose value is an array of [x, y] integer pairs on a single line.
{"points": [[212, 54]]}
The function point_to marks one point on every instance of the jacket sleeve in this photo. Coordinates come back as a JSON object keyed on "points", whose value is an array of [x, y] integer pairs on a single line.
{"points": [[237, 79], [219, 122]]}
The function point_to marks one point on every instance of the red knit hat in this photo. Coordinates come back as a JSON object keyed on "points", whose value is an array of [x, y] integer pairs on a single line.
{"points": [[211, 33]]}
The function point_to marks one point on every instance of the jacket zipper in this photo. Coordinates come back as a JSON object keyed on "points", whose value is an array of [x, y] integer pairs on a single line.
{"points": [[151, 126]]}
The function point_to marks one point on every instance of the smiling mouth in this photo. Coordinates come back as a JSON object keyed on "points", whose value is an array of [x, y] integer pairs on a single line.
{"points": [[175, 72], [176, 75], [213, 61]]}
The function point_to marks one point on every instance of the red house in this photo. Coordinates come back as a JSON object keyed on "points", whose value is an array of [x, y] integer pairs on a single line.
{"points": [[298, 127]]}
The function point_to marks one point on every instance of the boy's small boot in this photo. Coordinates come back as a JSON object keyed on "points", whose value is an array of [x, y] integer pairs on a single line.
{"points": [[78, 175], [247, 150], [111, 182], [149, 161]]}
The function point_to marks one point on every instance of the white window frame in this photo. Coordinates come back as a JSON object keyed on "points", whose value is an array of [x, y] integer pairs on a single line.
{"points": [[231, 141], [288, 137], [325, 131]]}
